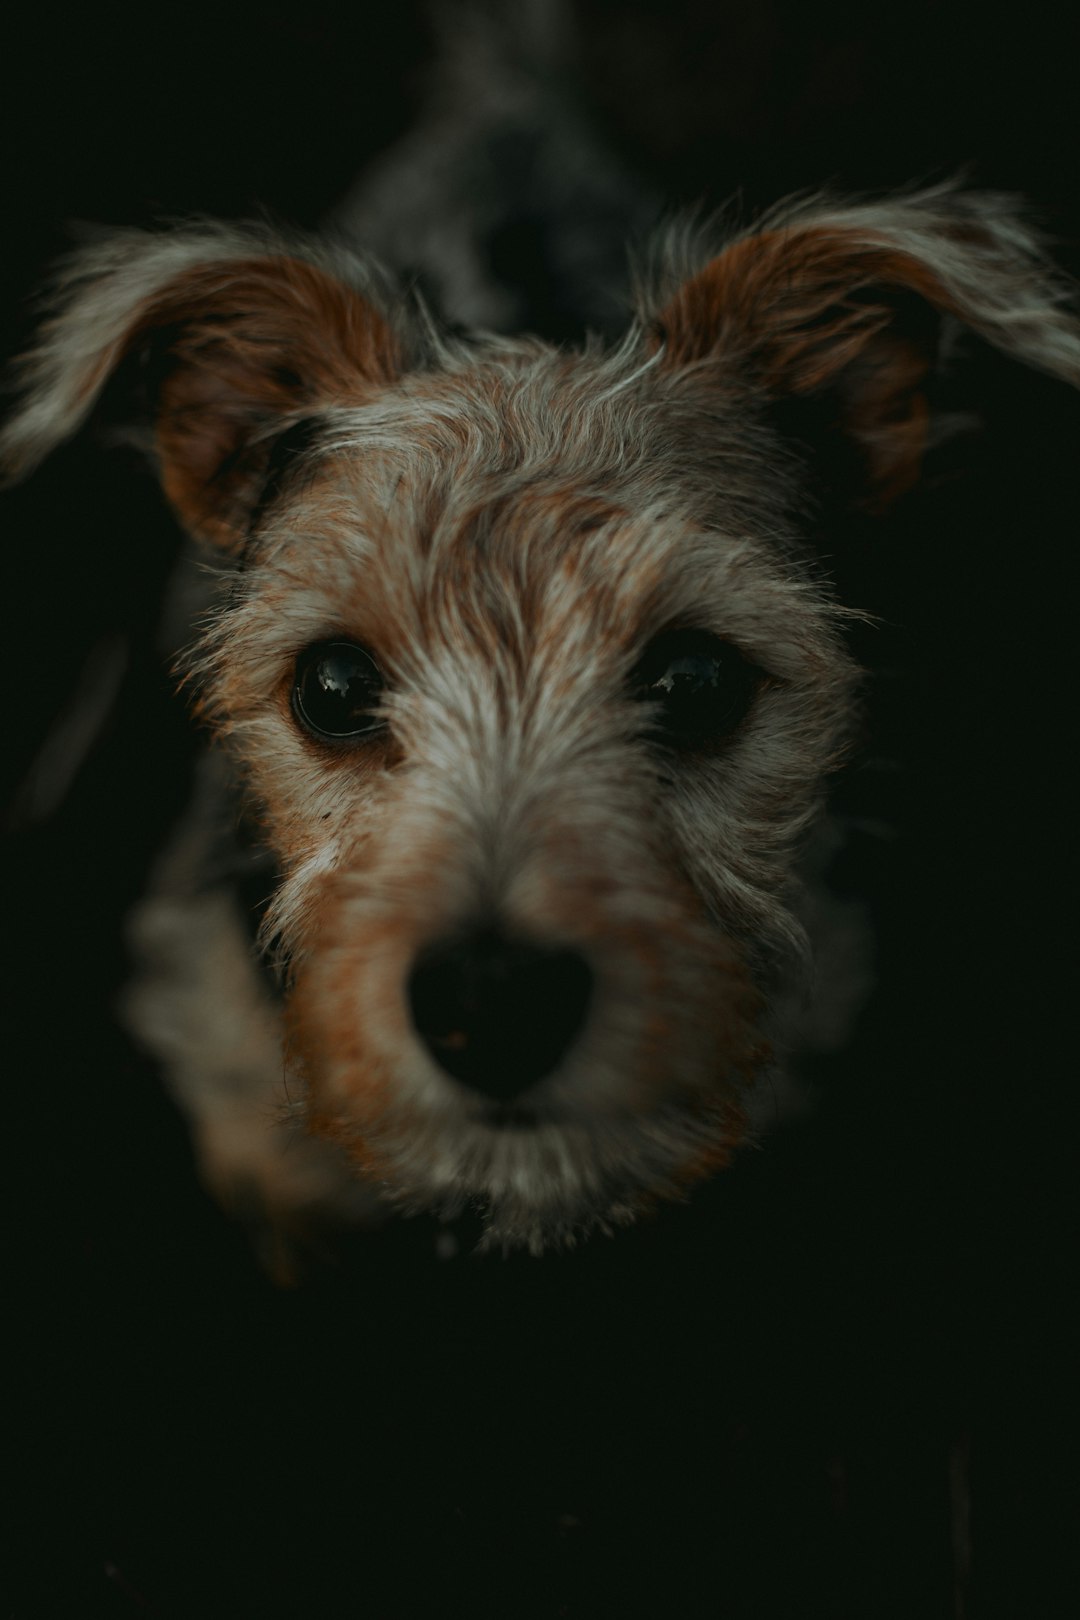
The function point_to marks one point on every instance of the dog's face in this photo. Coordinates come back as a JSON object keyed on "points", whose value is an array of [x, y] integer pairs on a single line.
{"points": [[531, 688], [533, 741]]}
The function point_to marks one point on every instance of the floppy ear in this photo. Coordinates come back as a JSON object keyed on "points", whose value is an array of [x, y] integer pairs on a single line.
{"points": [[842, 304], [229, 336]]}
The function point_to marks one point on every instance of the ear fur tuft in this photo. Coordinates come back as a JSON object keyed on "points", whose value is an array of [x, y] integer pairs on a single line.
{"points": [[818, 298], [239, 332]]}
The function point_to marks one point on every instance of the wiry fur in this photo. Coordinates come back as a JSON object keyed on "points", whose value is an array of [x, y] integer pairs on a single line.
{"points": [[978, 245], [506, 526]]}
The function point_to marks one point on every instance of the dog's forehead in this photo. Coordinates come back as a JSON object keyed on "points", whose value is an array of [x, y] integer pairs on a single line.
{"points": [[519, 499], [400, 549], [519, 418], [527, 449], [529, 417]]}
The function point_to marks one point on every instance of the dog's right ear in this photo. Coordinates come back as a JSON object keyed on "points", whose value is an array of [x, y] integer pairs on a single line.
{"points": [[220, 339]]}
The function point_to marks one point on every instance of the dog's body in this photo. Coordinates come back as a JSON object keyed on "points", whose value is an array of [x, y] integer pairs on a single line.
{"points": [[527, 683]]}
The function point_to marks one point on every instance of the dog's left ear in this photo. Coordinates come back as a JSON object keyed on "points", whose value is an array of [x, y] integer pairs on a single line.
{"points": [[844, 305], [209, 343]]}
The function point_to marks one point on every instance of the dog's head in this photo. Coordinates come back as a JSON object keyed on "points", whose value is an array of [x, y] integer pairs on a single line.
{"points": [[533, 685]]}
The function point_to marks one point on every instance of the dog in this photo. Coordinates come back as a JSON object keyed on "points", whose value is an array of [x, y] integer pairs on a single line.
{"points": [[524, 682]]}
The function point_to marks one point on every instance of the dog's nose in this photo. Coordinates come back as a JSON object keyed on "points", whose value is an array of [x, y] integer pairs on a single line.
{"points": [[498, 1014]]}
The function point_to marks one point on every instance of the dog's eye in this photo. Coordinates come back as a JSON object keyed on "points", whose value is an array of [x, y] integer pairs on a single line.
{"points": [[337, 689], [700, 688]]}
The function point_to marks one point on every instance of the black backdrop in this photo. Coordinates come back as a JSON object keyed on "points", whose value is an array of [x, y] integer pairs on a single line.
{"points": [[834, 1383]]}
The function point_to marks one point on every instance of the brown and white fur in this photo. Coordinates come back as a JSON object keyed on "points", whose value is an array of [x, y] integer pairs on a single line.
{"points": [[507, 528]]}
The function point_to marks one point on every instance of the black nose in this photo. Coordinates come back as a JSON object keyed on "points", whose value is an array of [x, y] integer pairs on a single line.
{"points": [[498, 1014]]}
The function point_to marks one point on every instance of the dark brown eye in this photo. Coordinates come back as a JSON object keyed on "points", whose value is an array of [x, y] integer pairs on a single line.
{"points": [[337, 690], [699, 688]]}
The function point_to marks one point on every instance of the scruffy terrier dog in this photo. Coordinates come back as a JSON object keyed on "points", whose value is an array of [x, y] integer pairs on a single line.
{"points": [[528, 684]]}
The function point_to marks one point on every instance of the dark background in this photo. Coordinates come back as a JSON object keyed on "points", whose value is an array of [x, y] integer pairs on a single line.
{"points": [[835, 1383]]}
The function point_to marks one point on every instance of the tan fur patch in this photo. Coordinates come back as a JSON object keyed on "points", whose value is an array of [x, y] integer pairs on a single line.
{"points": [[808, 310], [255, 343]]}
